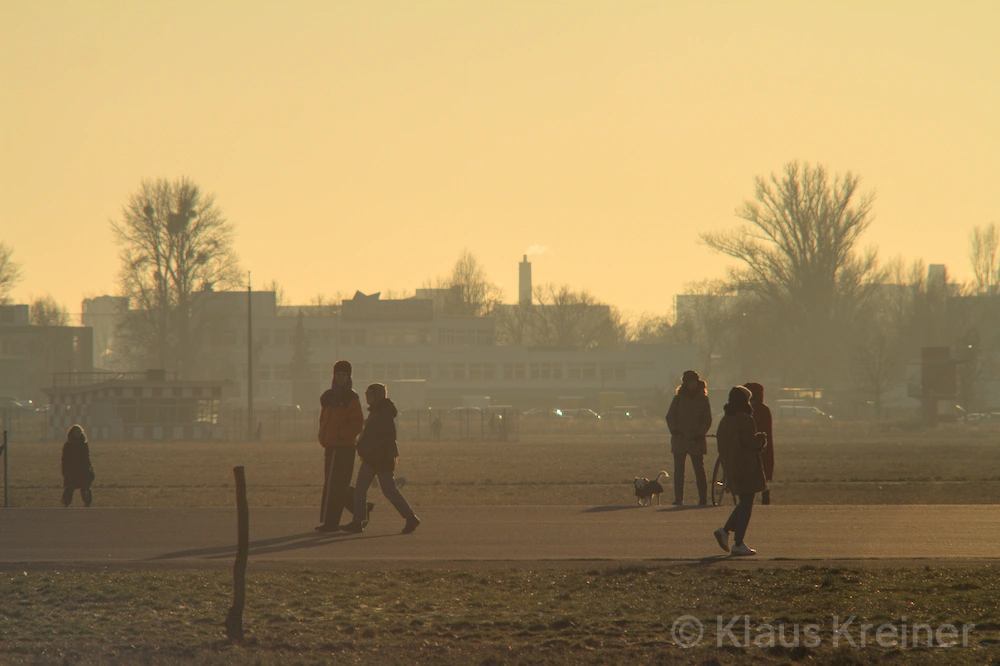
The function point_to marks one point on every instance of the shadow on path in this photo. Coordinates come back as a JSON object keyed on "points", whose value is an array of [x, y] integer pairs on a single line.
{"points": [[276, 545], [617, 507]]}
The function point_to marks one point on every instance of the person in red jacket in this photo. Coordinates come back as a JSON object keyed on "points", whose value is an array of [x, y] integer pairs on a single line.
{"points": [[340, 423], [762, 419]]}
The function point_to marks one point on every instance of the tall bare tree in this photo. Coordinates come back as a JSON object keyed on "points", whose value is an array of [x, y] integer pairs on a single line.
{"points": [[45, 311], [984, 255], [175, 241], [10, 272], [799, 252], [467, 290]]}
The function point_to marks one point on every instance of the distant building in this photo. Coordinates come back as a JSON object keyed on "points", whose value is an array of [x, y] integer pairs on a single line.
{"points": [[30, 355], [101, 314], [389, 340]]}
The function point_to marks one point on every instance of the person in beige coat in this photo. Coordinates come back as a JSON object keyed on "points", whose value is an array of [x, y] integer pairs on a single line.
{"points": [[688, 419], [739, 447]]}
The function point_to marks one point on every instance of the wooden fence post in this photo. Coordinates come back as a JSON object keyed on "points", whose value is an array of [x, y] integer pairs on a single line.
{"points": [[234, 619]]}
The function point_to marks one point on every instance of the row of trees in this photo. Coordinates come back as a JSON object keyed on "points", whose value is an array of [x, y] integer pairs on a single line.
{"points": [[805, 302]]}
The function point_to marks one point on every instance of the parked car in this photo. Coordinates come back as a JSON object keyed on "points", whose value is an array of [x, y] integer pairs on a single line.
{"points": [[624, 412], [586, 414], [544, 413], [800, 412], [11, 404]]}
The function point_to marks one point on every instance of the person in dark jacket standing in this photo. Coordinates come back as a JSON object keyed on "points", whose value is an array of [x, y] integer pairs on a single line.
{"points": [[688, 419], [340, 422], [77, 471], [762, 417], [739, 447], [378, 452]]}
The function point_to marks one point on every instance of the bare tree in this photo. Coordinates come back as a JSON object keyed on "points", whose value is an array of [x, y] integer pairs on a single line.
{"points": [[10, 272], [467, 291], [573, 320], [279, 293], [175, 241], [325, 306], [879, 361], [650, 329], [799, 253], [514, 324], [984, 247], [45, 311]]}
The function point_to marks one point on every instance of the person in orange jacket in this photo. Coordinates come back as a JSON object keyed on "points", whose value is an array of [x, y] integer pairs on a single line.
{"points": [[340, 423]]}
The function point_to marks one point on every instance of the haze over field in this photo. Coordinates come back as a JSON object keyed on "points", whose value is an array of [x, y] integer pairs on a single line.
{"points": [[362, 145]]}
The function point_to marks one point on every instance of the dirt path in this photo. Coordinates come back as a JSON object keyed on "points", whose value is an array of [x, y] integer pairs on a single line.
{"points": [[503, 535]]}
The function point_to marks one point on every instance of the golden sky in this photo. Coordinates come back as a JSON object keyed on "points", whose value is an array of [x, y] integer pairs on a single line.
{"points": [[362, 145]]}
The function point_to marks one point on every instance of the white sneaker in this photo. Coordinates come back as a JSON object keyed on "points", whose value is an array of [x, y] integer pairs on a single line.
{"points": [[743, 549], [722, 536]]}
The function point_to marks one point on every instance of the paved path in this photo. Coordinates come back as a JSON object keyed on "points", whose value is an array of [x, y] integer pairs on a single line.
{"points": [[206, 537]]}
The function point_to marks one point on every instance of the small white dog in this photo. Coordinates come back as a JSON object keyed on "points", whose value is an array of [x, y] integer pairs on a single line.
{"points": [[646, 490]]}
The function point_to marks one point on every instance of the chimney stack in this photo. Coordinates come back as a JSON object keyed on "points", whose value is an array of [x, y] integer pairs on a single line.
{"points": [[524, 283]]}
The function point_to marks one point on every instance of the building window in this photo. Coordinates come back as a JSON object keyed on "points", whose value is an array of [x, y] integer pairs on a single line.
{"points": [[458, 371], [483, 337], [557, 371], [619, 372], [444, 371], [346, 338], [424, 371], [446, 336], [392, 370], [574, 371], [589, 370]]}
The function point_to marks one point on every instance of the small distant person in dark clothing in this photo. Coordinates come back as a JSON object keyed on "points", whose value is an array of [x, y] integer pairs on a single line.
{"points": [[340, 423], [76, 468], [688, 419], [436, 427], [762, 417], [739, 447], [378, 452]]}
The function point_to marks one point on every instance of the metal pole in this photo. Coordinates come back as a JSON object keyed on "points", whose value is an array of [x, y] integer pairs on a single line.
{"points": [[250, 418], [5, 469]]}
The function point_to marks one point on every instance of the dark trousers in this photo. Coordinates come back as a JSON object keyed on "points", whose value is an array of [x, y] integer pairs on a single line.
{"points": [[85, 494], [739, 519], [698, 462], [386, 481], [339, 466]]}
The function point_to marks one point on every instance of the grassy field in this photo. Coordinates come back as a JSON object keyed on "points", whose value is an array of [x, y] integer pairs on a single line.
{"points": [[835, 463], [498, 616]]}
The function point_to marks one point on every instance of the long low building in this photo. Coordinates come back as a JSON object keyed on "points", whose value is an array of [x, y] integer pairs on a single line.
{"points": [[135, 406]]}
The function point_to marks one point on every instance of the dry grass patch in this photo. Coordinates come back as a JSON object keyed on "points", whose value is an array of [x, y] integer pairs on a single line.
{"points": [[502, 616]]}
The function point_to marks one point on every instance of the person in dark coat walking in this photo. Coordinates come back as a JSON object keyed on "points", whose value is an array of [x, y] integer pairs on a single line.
{"points": [[340, 423], [739, 447], [77, 471], [378, 452], [762, 417], [688, 419]]}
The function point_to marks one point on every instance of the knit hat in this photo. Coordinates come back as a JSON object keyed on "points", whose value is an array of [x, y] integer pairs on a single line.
{"points": [[739, 395], [342, 366], [689, 376]]}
